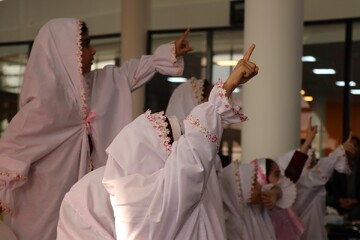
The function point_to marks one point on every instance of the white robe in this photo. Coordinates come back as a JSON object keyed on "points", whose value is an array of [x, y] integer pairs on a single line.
{"points": [[86, 211], [45, 148], [246, 221], [175, 196], [310, 200]]}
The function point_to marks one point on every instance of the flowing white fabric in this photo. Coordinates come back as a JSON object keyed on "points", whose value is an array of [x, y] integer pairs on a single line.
{"points": [[176, 196], [250, 221], [184, 98], [45, 148], [86, 211], [310, 201]]}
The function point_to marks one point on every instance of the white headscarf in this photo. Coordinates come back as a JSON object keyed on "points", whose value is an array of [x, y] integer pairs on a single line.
{"points": [[184, 98]]}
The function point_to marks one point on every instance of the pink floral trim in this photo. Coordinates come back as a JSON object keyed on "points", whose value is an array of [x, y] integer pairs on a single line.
{"points": [[15, 176], [222, 94], [158, 122], [260, 172], [173, 53], [198, 92], [5, 210], [83, 86], [238, 186], [180, 67], [209, 135], [253, 182]]}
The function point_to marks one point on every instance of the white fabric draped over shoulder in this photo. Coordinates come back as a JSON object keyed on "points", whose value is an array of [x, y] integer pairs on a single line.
{"points": [[157, 195], [45, 149], [310, 201], [184, 98], [244, 220], [86, 211]]}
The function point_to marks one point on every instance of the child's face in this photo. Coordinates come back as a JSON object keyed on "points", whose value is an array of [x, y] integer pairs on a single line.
{"points": [[88, 52], [274, 175]]}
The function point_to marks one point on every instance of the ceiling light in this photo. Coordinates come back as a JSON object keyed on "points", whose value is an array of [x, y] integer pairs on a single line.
{"points": [[308, 98], [308, 59], [342, 83], [227, 63], [324, 71], [176, 79], [302, 92], [355, 91]]}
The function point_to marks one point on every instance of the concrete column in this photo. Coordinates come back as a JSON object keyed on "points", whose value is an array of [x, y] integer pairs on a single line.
{"points": [[272, 99], [135, 19]]}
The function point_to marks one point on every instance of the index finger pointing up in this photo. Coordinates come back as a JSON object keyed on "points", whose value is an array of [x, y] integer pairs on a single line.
{"points": [[186, 33], [248, 53]]}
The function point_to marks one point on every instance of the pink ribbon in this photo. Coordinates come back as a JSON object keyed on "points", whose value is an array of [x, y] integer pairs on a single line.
{"points": [[87, 121]]}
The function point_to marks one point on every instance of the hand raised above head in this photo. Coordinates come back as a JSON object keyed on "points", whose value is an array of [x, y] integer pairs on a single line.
{"points": [[182, 46], [243, 72]]}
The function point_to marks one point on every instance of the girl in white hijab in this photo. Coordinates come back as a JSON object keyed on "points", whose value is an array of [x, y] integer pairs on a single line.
{"points": [[161, 190], [68, 116]]}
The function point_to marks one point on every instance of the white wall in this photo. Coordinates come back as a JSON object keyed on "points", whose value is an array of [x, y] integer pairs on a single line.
{"points": [[21, 19]]}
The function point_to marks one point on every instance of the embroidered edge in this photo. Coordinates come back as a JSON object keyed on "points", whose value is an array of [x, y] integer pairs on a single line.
{"points": [[253, 182], [157, 120], [209, 135], [227, 101], [175, 62], [83, 86], [198, 92], [5, 210]]}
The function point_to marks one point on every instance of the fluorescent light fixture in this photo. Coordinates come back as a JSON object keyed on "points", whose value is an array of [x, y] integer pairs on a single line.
{"points": [[176, 79], [324, 71], [227, 60], [342, 83], [308, 98], [302, 92], [227, 63], [355, 91], [308, 59]]}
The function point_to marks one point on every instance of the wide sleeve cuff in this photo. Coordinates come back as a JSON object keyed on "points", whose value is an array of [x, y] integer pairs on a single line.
{"points": [[341, 163], [166, 62], [228, 112], [13, 174], [288, 190]]}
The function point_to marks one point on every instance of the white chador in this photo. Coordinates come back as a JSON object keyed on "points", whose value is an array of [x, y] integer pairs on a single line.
{"points": [[86, 211], [46, 149], [247, 221], [184, 98], [170, 191], [310, 200]]}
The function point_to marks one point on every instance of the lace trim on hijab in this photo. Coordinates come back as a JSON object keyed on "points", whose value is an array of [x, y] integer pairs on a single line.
{"points": [[83, 86], [15, 176], [227, 101], [198, 91], [253, 182], [209, 135], [260, 172], [5, 210], [238, 186], [158, 122]]}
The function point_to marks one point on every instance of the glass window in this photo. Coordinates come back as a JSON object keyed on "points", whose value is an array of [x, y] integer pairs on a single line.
{"points": [[107, 52], [159, 90], [13, 60], [323, 67], [355, 82], [228, 47]]}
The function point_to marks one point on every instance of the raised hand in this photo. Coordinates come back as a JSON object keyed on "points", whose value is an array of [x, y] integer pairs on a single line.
{"points": [[243, 72], [182, 45], [310, 135], [350, 146]]}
